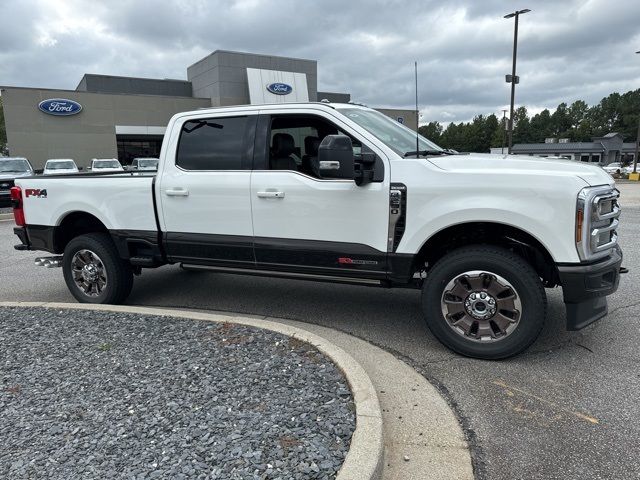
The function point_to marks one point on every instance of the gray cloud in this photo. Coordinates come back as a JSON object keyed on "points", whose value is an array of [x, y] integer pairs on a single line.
{"points": [[568, 50]]}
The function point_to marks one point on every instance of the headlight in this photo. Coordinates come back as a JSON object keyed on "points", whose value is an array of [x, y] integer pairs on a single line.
{"points": [[597, 215]]}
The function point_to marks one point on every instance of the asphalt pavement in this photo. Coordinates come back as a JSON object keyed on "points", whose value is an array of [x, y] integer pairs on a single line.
{"points": [[567, 408]]}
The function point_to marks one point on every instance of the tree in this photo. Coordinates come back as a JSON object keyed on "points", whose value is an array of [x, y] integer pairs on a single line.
{"points": [[561, 121], [490, 127], [541, 126], [578, 122], [578, 113], [522, 126], [499, 137], [432, 131]]}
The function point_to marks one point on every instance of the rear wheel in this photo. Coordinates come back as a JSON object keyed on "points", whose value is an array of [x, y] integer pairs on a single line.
{"points": [[484, 302], [94, 272]]}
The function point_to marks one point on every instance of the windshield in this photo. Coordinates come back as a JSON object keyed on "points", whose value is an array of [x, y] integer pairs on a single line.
{"points": [[105, 164], [14, 165], [60, 165], [393, 134], [148, 163]]}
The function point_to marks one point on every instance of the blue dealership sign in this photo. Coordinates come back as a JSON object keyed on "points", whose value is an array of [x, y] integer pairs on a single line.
{"points": [[280, 88], [59, 106]]}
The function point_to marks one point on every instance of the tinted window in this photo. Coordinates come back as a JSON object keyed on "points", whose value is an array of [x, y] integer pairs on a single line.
{"points": [[212, 144]]}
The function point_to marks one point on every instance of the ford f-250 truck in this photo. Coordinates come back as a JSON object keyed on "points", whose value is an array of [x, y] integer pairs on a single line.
{"points": [[342, 193]]}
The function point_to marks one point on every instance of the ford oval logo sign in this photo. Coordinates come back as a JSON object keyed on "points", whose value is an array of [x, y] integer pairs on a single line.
{"points": [[59, 106], [280, 88]]}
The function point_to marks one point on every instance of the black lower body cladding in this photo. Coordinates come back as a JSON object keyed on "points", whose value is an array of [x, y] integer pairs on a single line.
{"points": [[586, 286]]}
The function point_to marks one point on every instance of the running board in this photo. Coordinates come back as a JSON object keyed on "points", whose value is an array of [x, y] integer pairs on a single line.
{"points": [[290, 275]]}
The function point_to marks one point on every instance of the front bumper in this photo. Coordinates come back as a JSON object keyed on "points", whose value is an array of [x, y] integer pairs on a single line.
{"points": [[585, 288]]}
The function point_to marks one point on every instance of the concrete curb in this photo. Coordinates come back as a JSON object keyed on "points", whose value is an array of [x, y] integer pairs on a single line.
{"points": [[366, 452], [6, 216]]}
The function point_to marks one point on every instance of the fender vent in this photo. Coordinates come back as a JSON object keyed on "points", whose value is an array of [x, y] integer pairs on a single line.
{"points": [[397, 215]]}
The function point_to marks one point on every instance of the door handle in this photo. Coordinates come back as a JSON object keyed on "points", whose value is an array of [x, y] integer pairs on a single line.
{"points": [[270, 194], [177, 192]]}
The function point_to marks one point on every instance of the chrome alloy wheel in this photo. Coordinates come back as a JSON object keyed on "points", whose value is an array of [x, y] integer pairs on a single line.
{"points": [[89, 273], [481, 306]]}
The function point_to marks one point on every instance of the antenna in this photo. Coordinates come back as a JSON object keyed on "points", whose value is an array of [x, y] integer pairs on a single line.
{"points": [[417, 111]]}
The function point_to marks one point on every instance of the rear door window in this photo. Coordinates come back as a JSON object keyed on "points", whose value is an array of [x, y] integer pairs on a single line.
{"points": [[213, 144]]}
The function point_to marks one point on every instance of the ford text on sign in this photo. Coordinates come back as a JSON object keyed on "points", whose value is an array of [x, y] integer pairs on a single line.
{"points": [[280, 88], [59, 106]]}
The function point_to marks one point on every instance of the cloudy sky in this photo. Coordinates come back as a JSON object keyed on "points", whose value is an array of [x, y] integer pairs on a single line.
{"points": [[568, 50]]}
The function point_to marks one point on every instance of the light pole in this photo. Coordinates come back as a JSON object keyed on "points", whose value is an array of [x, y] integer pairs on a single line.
{"points": [[635, 156], [513, 78]]}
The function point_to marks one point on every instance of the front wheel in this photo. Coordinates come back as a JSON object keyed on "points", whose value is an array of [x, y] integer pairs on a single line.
{"points": [[484, 302], [94, 272]]}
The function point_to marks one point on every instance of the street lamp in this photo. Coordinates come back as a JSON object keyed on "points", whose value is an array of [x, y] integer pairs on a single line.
{"points": [[635, 156], [513, 78]]}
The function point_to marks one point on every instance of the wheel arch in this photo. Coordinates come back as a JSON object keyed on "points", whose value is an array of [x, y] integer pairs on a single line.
{"points": [[499, 234], [74, 224]]}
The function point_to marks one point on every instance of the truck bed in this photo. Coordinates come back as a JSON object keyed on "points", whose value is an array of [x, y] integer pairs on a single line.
{"points": [[121, 201]]}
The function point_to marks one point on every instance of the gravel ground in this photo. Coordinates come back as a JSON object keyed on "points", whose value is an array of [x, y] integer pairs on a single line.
{"points": [[110, 395], [6, 210]]}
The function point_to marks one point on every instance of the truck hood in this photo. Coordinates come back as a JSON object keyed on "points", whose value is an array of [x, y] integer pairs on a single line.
{"points": [[522, 165], [12, 175]]}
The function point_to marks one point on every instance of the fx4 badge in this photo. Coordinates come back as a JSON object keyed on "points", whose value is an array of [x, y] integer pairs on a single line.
{"points": [[35, 192]]}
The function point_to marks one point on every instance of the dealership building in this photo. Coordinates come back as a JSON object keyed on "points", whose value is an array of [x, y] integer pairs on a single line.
{"points": [[125, 117], [602, 150]]}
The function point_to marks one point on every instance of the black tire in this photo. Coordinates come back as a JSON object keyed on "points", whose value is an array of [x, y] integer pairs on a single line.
{"points": [[502, 262], [119, 273]]}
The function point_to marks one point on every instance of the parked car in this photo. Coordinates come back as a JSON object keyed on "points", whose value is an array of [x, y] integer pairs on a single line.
{"points": [[616, 168], [144, 164], [106, 165], [60, 166], [338, 193], [10, 169]]}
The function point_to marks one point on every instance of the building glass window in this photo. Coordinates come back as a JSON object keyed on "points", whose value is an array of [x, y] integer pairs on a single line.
{"points": [[212, 144], [135, 147]]}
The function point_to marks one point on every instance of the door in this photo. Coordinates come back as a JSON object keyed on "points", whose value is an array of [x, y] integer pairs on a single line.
{"points": [[307, 224], [205, 191]]}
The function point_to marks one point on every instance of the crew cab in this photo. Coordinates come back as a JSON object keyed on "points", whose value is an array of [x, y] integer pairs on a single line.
{"points": [[342, 193]]}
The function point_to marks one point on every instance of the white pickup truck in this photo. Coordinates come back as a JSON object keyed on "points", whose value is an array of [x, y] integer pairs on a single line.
{"points": [[341, 193]]}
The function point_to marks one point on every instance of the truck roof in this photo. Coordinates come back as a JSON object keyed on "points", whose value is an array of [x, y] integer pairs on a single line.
{"points": [[284, 106]]}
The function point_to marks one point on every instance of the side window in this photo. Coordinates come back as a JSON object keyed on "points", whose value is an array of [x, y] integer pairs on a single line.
{"points": [[212, 144], [294, 142]]}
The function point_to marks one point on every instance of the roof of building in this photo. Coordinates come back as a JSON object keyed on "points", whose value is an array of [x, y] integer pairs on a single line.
{"points": [[95, 83], [560, 147], [599, 144]]}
